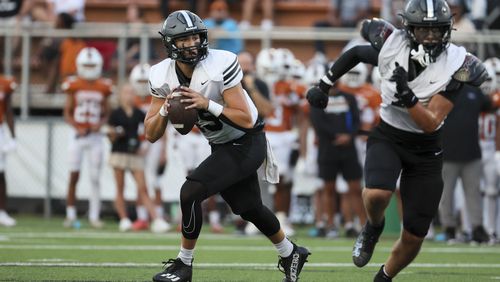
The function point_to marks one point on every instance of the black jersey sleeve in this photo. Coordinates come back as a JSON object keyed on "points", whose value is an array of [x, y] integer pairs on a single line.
{"points": [[376, 31], [348, 60]]}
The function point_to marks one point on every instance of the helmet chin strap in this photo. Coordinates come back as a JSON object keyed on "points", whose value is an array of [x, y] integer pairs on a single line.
{"points": [[421, 56]]}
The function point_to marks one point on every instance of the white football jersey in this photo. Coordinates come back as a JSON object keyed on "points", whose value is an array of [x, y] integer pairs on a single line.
{"points": [[432, 80], [219, 71]]}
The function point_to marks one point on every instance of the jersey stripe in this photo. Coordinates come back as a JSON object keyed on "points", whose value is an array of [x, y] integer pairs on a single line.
{"points": [[226, 82], [231, 72]]}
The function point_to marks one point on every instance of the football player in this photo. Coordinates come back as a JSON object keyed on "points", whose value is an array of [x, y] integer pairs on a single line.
{"points": [[227, 118], [156, 155], [280, 130], [7, 143], [488, 130], [86, 110], [421, 75]]}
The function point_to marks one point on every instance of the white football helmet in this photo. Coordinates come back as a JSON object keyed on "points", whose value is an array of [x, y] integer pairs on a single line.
{"points": [[489, 86], [494, 62], [356, 77], [376, 78], [314, 72], [297, 70], [285, 60], [265, 63], [139, 78], [89, 63]]}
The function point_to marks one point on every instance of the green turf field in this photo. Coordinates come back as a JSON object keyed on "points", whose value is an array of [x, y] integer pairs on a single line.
{"points": [[42, 250]]}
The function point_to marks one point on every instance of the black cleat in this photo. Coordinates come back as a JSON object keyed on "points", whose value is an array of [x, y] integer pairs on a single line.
{"points": [[381, 276], [365, 244], [292, 265], [479, 235], [176, 271]]}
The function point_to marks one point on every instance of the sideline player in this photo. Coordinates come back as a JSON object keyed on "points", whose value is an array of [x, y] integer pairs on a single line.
{"points": [[86, 110], [7, 87], [421, 75]]}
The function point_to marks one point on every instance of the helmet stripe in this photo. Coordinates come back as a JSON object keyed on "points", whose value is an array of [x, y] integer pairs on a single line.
{"points": [[430, 10], [187, 18]]}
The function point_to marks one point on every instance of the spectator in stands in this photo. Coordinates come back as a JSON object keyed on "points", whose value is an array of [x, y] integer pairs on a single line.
{"points": [[462, 158], [462, 22], [126, 129], [135, 20], [248, 10], [86, 110], [57, 56], [220, 20], [341, 13], [49, 13], [390, 10], [7, 143]]}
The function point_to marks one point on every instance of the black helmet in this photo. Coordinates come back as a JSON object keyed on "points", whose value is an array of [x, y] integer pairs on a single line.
{"points": [[180, 24], [428, 13]]}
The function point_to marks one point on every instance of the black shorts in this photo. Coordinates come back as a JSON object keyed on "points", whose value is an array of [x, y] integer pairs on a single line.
{"points": [[231, 170], [419, 159], [344, 160]]}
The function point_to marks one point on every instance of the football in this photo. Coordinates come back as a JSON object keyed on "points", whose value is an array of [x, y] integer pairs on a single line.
{"points": [[181, 119]]}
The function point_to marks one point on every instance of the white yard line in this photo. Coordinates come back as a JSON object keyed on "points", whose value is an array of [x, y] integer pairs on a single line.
{"points": [[221, 248], [242, 265]]}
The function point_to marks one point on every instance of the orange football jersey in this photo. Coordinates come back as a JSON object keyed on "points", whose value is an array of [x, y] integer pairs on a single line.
{"points": [[143, 102], [89, 99], [366, 95], [7, 86], [488, 122], [287, 96]]}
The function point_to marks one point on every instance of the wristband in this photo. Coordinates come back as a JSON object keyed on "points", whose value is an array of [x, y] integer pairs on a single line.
{"points": [[162, 112], [215, 108]]}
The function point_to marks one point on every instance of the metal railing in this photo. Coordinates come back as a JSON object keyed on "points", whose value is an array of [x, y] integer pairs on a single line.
{"points": [[145, 32]]}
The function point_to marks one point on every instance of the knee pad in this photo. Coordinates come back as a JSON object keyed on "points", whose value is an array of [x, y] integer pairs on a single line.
{"points": [[192, 191], [417, 225]]}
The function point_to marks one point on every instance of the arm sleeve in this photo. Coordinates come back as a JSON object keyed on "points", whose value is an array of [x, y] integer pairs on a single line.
{"points": [[347, 61]]}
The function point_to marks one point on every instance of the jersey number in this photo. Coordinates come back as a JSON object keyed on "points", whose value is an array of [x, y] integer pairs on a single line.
{"points": [[208, 122], [87, 111]]}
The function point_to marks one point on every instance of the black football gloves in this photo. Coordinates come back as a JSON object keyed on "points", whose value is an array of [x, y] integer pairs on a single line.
{"points": [[405, 95], [317, 98]]}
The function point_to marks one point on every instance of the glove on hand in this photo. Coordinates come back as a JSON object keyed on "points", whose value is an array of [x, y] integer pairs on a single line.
{"points": [[317, 98], [405, 95]]}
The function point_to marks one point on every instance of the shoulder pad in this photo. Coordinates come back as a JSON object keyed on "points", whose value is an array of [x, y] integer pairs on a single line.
{"points": [[376, 31], [471, 72]]}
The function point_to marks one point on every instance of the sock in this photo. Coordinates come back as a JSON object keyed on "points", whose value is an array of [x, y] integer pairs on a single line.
{"points": [[160, 211], [285, 248], [94, 203], [3, 213], [385, 273], [142, 212], [186, 256], [214, 218], [71, 212]]}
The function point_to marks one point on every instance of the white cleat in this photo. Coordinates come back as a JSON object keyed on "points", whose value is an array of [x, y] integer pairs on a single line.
{"points": [[251, 229], [125, 225], [97, 224], [6, 220], [159, 225]]}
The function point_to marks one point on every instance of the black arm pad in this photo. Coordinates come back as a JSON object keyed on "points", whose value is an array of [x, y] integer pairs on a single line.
{"points": [[376, 31]]}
